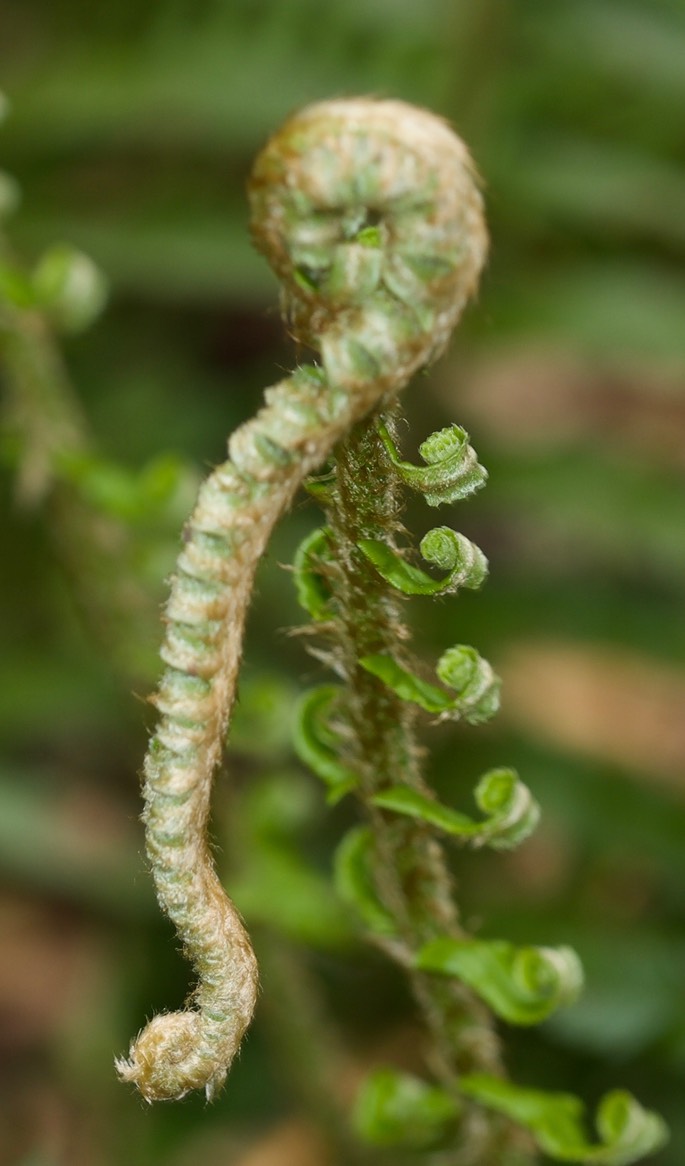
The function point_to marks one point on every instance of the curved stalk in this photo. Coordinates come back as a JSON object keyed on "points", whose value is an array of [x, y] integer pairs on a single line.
{"points": [[369, 213]]}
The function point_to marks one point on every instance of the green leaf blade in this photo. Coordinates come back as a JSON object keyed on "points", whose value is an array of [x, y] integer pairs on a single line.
{"points": [[522, 985], [512, 811], [406, 685], [403, 800], [396, 571], [627, 1131], [396, 1109], [309, 567], [452, 471], [353, 874], [316, 743], [465, 562]]}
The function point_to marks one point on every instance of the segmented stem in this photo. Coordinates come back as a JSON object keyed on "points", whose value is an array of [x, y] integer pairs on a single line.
{"points": [[370, 215]]}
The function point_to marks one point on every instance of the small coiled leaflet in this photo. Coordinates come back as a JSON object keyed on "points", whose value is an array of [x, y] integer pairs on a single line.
{"points": [[370, 214]]}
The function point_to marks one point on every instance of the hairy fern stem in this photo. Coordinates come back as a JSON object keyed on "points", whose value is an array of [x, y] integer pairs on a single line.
{"points": [[369, 213], [410, 868]]}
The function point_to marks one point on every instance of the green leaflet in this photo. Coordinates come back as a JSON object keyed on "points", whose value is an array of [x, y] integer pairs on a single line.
{"points": [[354, 880], [406, 685], [523, 985], [311, 556], [461, 668], [452, 470], [319, 489], [513, 812], [453, 552], [627, 1132], [396, 1109], [317, 745], [464, 669]]}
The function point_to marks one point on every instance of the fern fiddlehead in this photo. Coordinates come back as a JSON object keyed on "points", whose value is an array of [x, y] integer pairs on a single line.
{"points": [[370, 215]]}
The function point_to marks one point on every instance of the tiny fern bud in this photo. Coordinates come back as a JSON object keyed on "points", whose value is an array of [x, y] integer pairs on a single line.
{"points": [[451, 471], [464, 669], [370, 214], [442, 547]]}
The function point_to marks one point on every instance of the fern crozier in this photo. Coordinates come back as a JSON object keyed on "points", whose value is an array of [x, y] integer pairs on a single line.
{"points": [[370, 214]]}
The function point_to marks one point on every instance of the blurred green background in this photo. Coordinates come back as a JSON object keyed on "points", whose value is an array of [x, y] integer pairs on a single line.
{"points": [[131, 132]]}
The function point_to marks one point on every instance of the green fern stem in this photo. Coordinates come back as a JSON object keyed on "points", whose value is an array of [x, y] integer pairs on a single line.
{"points": [[412, 874]]}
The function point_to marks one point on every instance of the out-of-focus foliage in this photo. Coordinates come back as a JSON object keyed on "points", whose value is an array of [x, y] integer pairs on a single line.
{"points": [[130, 134]]}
